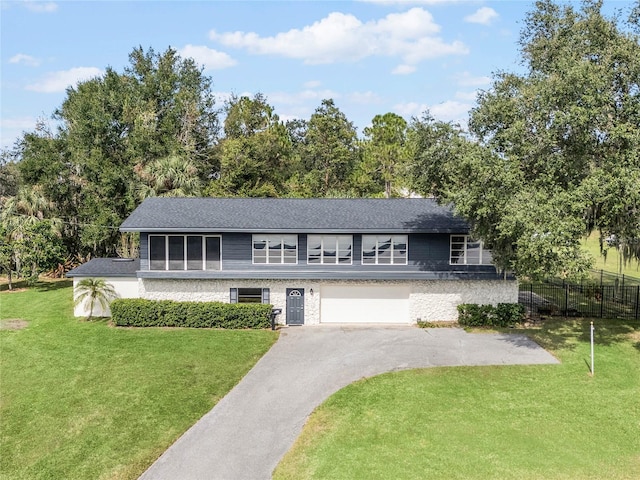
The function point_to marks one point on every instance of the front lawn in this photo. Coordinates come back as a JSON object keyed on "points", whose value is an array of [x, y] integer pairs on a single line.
{"points": [[84, 400], [510, 422]]}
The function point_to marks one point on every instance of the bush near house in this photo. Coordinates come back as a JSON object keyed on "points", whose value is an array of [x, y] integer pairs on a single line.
{"points": [[504, 315], [137, 312]]}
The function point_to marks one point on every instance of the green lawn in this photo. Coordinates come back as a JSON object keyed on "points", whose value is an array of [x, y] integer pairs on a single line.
{"points": [[610, 263], [83, 400], [509, 422]]}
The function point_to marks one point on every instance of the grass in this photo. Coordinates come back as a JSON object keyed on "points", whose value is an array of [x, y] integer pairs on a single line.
{"points": [[611, 263], [86, 400], [507, 422]]}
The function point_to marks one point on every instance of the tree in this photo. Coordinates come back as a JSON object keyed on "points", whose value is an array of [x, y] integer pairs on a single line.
{"points": [[330, 150], [114, 131], [94, 290], [31, 244], [255, 154], [169, 177], [554, 152], [384, 150]]}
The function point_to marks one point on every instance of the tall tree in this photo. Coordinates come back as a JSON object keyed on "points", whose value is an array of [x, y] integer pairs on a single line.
{"points": [[112, 128], [255, 154], [557, 152], [385, 155], [330, 149]]}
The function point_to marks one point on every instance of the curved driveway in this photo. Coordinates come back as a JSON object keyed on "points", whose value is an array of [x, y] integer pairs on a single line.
{"points": [[246, 434]]}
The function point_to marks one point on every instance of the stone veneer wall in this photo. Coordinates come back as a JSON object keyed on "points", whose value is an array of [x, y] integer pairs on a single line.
{"points": [[218, 291], [430, 300], [438, 300]]}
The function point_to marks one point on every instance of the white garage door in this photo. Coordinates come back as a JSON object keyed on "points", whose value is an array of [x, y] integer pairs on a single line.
{"points": [[364, 304]]}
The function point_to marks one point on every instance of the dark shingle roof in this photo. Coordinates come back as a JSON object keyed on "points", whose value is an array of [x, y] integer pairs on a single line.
{"points": [[107, 267], [292, 215]]}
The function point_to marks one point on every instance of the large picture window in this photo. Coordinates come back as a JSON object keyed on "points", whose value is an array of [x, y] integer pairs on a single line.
{"points": [[467, 251], [184, 252], [329, 249], [384, 249], [275, 249]]}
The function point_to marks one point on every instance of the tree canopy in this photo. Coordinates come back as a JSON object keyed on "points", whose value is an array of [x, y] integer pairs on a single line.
{"points": [[554, 153], [549, 155]]}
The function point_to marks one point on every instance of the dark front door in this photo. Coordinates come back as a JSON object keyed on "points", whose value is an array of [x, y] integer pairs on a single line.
{"points": [[295, 306]]}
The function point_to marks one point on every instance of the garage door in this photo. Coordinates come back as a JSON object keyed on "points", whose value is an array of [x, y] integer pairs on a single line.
{"points": [[364, 304]]}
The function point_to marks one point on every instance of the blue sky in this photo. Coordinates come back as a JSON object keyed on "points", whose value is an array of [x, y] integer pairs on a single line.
{"points": [[371, 57]]}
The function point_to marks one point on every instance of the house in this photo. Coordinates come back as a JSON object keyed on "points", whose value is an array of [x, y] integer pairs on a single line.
{"points": [[320, 260]]}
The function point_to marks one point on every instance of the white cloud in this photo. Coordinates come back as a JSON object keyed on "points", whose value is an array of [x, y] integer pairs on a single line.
{"points": [[40, 7], [467, 96], [59, 81], [363, 98], [211, 59], [448, 111], [483, 16], [451, 111], [403, 70], [340, 37], [25, 59], [465, 79], [11, 129], [312, 84]]}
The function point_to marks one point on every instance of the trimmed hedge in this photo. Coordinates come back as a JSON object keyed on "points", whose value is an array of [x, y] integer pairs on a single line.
{"points": [[504, 315], [138, 312]]}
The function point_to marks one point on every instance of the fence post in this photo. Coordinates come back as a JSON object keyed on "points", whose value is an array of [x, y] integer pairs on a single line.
{"points": [[637, 300], [602, 301], [566, 299], [601, 280]]}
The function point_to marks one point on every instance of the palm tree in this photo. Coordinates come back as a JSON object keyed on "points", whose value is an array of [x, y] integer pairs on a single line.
{"points": [[94, 290], [171, 176]]}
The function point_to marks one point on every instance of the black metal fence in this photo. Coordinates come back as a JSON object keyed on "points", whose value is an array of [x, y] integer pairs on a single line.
{"points": [[595, 300], [607, 278]]}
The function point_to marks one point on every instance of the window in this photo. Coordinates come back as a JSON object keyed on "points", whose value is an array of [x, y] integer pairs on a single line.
{"points": [[275, 249], [329, 249], [466, 251], [384, 249], [249, 295], [184, 252]]}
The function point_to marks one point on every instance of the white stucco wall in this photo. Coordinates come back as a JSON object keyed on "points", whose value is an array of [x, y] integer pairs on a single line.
{"points": [[428, 300], [125, 287]]}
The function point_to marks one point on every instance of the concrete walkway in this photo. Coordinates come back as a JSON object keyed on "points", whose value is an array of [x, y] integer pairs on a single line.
{"points": [[249, 430]]}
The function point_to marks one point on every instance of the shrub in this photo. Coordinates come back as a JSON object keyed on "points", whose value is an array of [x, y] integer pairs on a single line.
{"points": [[137, 312], [504, 315]]}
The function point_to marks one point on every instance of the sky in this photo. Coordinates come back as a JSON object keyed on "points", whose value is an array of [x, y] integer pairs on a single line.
{"points": [[370, 56]]}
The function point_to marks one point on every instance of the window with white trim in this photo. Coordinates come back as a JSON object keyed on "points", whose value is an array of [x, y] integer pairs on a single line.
{"points": [[184, 252], [384, 249], [275, 249], [467, 251], [329, 249]]}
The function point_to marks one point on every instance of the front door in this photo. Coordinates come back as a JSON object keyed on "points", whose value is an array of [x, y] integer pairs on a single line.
{"points": [[295, 306]]}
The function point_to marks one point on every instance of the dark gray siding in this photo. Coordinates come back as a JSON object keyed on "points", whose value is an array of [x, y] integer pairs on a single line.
{"points": [[428, 256], [429, 251], [144, 251], [236, 251]]}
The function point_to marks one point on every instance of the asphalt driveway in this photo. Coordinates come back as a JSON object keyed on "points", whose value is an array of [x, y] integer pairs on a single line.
{"points": [[246, 434]]}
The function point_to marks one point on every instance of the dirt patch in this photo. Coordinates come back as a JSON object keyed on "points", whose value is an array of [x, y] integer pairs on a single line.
{"points": [[13, 324], [16, 290]]}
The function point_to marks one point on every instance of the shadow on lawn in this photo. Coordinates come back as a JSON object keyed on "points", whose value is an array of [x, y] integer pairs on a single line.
{"points": [[43, 286], [566, 334], [40, 285]]}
